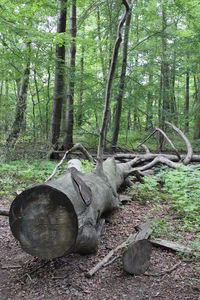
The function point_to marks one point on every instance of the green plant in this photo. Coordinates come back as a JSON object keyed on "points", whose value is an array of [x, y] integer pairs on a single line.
{"points": [[146, 191], [87, 166]]}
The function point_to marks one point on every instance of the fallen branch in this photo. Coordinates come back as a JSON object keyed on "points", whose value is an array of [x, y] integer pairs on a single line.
{"points": [[144, 232], [74, 148], [187, 142], [169, 141], [156, 160], [174, 246]]}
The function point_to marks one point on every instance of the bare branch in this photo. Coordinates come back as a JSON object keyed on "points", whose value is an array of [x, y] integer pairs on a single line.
{"points": [[169, 141], [187, 142], [74, 148]]}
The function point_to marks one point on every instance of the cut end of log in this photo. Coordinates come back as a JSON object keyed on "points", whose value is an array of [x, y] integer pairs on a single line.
{"points": [[44, 221], [136, 258]]}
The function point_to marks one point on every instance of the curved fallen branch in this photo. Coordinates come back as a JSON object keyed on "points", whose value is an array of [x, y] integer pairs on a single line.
{"points": [[169, 141], [188, 157]]}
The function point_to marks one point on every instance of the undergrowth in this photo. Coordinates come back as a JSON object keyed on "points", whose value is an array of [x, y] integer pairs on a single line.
{"points": [[180, 188], [18, 175]]}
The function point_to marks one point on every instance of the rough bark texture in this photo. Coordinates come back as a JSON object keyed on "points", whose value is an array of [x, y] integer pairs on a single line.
{"points": [[197, 115], [21, 103], [121, 84], [187, 101], [109, 83], [69, 116], [59, 83], [61, 216], [136, 259]]}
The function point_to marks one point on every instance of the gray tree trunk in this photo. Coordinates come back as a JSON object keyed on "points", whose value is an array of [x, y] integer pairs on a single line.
{"points": [[21, 103], [197, 115], [59, 83], [121, 85], [187, 101], [69, 116], [62, 216]]}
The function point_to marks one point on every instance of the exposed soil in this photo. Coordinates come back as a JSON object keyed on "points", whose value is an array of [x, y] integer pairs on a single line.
{"points": [[25, 277]]}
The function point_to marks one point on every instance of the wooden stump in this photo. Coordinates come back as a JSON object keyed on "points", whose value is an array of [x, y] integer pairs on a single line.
{"points": [[136, 258]]}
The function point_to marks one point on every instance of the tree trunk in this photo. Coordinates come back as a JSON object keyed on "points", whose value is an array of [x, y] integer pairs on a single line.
{"points": [[21, 103], [80, 105], [62, 216], [197, 114], [149, 116], [69, 117], [121, 85], [59, 83], [187, 99], [109, 83]]}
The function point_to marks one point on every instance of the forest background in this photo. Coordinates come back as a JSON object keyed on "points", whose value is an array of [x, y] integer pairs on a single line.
{"points": [[55, 59]]}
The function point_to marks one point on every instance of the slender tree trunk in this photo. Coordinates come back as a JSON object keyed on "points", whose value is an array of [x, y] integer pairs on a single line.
{"points": [[197, 117], [6, 122], [149, 116], [100, 45], [172, 96], [164, 70], [21, 103], [109, 84], [80, 105], [38, 100], [59, 83], [47, 102], [121, 85], [187, 99], [69, 117]]}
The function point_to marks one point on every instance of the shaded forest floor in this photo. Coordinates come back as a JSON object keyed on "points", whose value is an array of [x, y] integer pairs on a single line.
{"points": [[25, 277]]}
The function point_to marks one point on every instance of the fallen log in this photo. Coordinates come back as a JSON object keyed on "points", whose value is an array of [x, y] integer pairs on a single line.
{"points": [[62, 216], [151, 156]]}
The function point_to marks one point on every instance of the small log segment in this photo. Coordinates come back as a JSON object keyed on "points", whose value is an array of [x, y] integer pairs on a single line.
{"points": [[143, 232], [62, 216], [136, 259]]}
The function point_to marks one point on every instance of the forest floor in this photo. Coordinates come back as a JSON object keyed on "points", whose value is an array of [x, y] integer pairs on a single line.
{"points": [[25, 277]]}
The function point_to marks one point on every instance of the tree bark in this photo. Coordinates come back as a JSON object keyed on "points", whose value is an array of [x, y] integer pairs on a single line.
{"points": [[187, 99], [59, 83], [121, 85], [197, 114], [80, 105], [109, 84], [62, 216], [69, 117], [21, 103]]}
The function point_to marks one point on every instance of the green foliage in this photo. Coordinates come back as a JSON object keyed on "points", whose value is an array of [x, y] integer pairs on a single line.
{"points": [[86, 166], [17, 175], [147, 191], [181, 189]]}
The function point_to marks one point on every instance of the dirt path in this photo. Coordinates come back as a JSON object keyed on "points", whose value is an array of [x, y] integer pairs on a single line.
{"points": [[64, 278]]}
